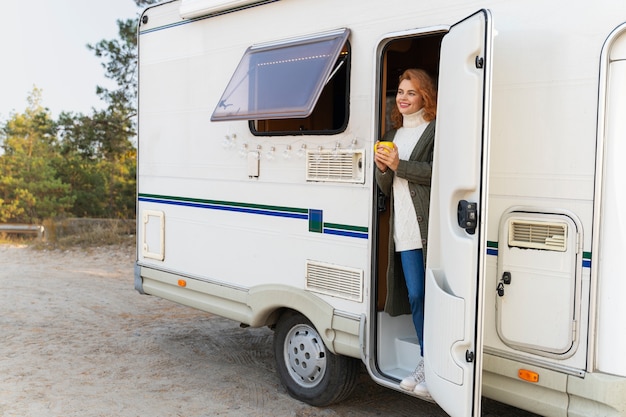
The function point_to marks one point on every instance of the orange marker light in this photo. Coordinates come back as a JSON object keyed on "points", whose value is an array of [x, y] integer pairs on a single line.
{"points": [[182, 283], [527, 375]]}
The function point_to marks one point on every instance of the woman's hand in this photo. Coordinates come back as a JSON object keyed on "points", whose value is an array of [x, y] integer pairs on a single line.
{"points": [[386, 158]]}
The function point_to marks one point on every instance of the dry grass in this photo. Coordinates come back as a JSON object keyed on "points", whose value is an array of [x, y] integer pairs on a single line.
{"points": [[13, 239], [70, 233]]}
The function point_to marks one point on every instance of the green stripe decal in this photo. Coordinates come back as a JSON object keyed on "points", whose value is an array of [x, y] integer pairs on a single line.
{"points": [[315, 217], [492, 249], [345, 227], [225, 203]]}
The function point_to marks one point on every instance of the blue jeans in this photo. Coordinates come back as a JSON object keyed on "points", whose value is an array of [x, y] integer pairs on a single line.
{"points": [[413, 268]]}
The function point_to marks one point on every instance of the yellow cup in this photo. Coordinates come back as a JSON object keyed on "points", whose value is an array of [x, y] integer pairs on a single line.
{"points": [[385, 145]]}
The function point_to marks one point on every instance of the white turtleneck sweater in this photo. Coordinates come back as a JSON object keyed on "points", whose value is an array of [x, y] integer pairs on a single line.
{"points": [[406, 233]]}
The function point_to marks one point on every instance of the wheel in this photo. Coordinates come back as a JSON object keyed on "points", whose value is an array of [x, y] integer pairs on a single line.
{"points": [[306, 368]]}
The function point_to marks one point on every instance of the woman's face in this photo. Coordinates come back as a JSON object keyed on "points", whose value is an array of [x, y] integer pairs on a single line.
{"points": [[408, 99]]}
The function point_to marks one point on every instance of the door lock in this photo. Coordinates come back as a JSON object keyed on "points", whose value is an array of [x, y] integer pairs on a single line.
{"points": [[505, 280], [467, 216]]}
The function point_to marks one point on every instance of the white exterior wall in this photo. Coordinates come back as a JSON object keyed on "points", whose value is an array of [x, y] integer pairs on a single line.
{"points": [[611, 327], [543, 148]]}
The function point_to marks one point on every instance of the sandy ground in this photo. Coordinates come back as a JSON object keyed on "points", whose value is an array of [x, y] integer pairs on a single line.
{"points": [[77, 340]]}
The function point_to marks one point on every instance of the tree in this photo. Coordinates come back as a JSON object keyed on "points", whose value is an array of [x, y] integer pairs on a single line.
{"points": [[82, 164], [121, 64], [30, 188], [98, 150], [121, 67]]}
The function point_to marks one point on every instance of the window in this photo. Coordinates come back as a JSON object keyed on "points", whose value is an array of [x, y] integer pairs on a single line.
{"points": [[291, 87]]}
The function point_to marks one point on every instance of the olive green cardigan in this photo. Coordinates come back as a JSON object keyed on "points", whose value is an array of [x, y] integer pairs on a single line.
{"points": [[418, 171]]}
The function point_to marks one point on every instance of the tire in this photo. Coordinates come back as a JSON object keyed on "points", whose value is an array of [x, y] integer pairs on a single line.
{"points": [[306, 368]]}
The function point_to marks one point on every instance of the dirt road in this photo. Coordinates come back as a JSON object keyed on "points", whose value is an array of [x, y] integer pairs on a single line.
{"points": [[77, 340]]}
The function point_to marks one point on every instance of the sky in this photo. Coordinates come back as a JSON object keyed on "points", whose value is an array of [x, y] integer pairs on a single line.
{"points": [[43, 44]]}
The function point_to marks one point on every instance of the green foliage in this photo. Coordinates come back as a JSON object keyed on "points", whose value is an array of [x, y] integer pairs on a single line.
{"points": [[98, 152], [30, 189], [121, 67], [106, 134], [80, 165]]}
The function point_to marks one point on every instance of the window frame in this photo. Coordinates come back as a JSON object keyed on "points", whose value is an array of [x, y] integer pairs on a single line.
{"points": [[285, 106]]}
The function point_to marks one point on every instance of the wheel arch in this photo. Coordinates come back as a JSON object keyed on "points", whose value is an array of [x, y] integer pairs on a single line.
{"points": [[269, 302]]}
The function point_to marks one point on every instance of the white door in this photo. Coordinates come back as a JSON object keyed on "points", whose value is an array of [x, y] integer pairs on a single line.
{"points": [[458, 213]]}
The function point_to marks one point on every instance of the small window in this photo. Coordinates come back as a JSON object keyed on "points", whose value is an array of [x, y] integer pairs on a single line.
{"points": [[284, 81], [330, 115]]}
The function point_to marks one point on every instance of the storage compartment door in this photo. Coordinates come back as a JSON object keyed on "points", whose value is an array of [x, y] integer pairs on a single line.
{"points": [[537, 282]]}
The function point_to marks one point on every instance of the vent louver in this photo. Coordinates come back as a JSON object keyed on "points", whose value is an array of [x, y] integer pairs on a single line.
{"points": [[538, 235], [335, 165], [334, 280]]}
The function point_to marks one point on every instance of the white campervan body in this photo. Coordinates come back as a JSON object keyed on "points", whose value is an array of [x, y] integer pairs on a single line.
{"points": [[257, 199]]}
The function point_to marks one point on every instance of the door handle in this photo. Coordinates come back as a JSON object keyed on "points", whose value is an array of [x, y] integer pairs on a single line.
{"points": [[467, 216]]}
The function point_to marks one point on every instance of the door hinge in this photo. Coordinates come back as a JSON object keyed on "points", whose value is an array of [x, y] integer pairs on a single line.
{"points": [[469, 356]]}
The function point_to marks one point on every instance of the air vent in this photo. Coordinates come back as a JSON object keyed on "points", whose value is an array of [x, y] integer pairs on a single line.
{"points": [[538, 235], [335, 165], [334, 280]]}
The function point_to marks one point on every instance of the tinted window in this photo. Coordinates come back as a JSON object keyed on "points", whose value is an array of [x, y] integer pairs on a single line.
{"points": [[283, 80]]}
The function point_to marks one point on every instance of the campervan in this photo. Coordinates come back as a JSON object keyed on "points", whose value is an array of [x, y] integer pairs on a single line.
{"points": [[257, 199]]}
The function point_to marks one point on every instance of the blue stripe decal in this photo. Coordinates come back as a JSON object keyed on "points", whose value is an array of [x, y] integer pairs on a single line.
{"points": [[315, 215], [226, 208], [345, 233], [494, 252]]}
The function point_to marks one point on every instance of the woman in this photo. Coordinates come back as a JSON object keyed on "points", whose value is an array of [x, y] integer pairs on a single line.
{"points": [[404, 173]]}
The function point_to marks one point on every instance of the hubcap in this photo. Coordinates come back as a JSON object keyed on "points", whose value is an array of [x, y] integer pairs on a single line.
{"points": [[305, 355]]}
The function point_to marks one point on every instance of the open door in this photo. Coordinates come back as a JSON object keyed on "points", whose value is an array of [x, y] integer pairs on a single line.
{"points": [[458, 215]]}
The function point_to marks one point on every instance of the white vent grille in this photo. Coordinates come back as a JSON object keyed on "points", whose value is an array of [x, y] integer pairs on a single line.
{"points": [[538, 235], [335, 165], [334, 280]]}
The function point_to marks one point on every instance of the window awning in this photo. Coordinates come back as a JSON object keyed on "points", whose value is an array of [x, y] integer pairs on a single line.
{"points": [[281, 80], [194, 8]]}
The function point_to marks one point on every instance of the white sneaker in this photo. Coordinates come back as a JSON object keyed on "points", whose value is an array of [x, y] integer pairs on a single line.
{"points": [[408, 383], [415, 378], [422, 390]]}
